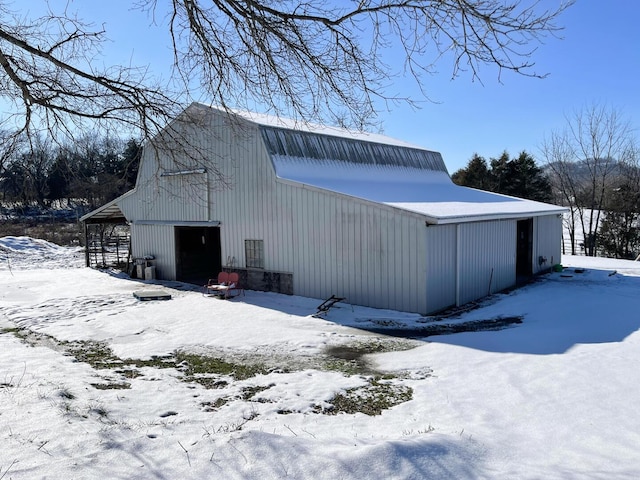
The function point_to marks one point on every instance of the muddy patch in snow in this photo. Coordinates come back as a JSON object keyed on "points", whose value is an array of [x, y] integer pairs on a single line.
{"points": [[437, 328]]}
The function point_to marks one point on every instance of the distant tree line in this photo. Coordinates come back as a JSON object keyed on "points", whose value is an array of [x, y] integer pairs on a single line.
{"points": [[87, 173], [518, 177], [592, 167]]}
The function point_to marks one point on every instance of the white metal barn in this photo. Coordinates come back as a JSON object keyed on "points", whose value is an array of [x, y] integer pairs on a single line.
{"points": [[317, 211]]}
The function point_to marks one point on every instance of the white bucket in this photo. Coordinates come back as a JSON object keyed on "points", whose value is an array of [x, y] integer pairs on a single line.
{"points": [[150, 273]]}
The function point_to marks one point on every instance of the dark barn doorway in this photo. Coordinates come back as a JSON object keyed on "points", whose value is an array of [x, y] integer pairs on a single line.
{"points": [[524, 250], [198, 254]]}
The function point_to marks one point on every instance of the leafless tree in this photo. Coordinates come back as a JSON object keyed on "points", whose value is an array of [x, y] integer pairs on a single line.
{"points": [[26, 176], [560, 161], [313, 60], [325, 59], [585, 159]]}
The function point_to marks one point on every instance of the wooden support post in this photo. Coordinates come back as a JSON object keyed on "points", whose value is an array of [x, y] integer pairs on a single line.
{"points": [[87, 261]]}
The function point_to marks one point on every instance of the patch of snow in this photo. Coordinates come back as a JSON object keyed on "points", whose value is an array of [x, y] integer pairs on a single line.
{"points": [[554, 397], [29, 253], [28, 244]]}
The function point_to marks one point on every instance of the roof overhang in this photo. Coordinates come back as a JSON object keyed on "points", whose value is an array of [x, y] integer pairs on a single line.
{"points": [[180, 223], [461, 212], [107, 213]]}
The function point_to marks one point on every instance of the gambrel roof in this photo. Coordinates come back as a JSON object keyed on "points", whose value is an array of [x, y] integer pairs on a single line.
{"points": [[371, 167], [383, 170]]}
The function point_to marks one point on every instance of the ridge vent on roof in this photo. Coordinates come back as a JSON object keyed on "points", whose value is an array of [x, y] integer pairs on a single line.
{"points": [[300, 144]]}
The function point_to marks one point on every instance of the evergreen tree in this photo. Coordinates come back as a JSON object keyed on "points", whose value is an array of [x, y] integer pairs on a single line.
{"points": [[475, 175], [518, 177], [521, 177], [501, 174]]}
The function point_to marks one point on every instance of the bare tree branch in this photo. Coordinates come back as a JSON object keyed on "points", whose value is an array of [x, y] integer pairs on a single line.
{"points": [[313, 60], [585, 160], [51, 78], [324, 61]]}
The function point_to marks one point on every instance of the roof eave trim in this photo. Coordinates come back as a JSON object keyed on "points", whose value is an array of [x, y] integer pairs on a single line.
{"points": [[180, 223], [442, 220], [104, 207]]}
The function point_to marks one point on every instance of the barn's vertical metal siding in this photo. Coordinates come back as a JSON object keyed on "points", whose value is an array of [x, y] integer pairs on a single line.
{"points": [[246, 204], [167, 198], [487, 258], [547, 242], [441, 253], [159, 241], [369, 254], [372, 254], [253, 208], [468, 261]]}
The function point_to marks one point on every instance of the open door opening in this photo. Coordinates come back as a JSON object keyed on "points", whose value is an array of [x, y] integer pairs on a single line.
{"points": [[198, 254], [524, 250]]}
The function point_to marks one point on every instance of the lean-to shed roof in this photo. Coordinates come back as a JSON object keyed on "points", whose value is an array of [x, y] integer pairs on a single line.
{"points": [[108, 213]]}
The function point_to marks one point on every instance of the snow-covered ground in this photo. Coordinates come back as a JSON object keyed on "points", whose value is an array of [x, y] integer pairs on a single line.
{"points": [[553, 397]]}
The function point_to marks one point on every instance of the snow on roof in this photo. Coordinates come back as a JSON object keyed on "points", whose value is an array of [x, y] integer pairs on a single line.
{"points": [[426, 192], [301, 126], [380, 169], [461, 211], [272, 121]]}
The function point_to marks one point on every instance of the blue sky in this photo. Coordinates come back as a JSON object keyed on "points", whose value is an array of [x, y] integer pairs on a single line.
{"points": [[597, 60]]}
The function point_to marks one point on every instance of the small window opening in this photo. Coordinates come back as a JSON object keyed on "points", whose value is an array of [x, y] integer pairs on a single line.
{"points": [[254, 253]]}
